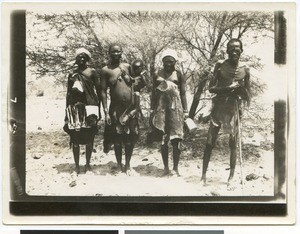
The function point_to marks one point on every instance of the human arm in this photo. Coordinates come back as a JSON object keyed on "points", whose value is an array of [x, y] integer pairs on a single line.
{"points": [[247, 85], [103, 92], [140, 81], [226, 89], [213, 88], [70, 83], [96, 80], [247, 81], [153, 93], [143, 76], [182, 90]]}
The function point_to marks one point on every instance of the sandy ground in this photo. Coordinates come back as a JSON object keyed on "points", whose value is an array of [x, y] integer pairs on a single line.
{"points": [[50, 165]]}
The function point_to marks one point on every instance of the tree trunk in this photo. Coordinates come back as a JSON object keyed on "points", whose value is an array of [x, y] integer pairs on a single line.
{"points": [[152, 75], [219, 38], [197, 95]]}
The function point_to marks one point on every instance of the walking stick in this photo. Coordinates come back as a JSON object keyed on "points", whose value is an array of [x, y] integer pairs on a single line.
{"points": [[240, 143]]}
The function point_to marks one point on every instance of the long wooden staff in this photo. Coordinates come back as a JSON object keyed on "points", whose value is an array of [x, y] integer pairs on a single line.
{"points": [[240, 143]]}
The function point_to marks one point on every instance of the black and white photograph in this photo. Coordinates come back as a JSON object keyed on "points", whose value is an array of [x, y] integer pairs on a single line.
{"points": [[150, 102]]}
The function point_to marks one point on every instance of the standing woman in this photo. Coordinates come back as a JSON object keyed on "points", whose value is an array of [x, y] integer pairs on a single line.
{"points": [[82, 107], [121, 119], [169, 108]]}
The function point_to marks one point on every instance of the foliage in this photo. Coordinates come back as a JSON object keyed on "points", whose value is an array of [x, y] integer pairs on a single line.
{"points": [[199, 37]]}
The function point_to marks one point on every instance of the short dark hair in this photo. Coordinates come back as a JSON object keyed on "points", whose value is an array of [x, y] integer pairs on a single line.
{"points": [[235, 40], [138, 62], [114, 44]]}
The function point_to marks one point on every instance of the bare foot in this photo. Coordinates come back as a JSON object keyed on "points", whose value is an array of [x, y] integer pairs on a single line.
{"points": [[77, 170], [130, 172], [127, 170], [175, 172], [230, 186], [117, 169], [88, 168], [166, 172], [203, 182]]}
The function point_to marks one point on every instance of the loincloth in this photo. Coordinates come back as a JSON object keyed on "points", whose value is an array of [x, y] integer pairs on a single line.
{"points": [[83, 136], [116, 132], [81, 123], [223, 111]]}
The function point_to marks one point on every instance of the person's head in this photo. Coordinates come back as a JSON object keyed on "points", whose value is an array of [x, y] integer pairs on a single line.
{"points": [[137, 66], [234, 49], [115, 52], [169, 59], [82, 56]]}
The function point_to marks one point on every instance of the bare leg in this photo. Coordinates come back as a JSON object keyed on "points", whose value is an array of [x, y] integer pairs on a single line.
{"points": [[128, 153], [76, 157], [89, 150], [118, 154], [232, 145], [211, 140], [165, 157], [137, 100], [176, 154]]}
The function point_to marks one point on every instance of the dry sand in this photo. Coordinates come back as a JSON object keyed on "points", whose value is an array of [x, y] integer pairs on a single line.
{"points": [[50, 165]]}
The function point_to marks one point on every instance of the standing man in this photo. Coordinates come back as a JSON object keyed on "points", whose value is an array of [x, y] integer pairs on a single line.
{"points": [[121, 119], [231, 84]]}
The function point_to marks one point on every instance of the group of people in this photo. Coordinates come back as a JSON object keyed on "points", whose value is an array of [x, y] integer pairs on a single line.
{"points": [[87, 90]]}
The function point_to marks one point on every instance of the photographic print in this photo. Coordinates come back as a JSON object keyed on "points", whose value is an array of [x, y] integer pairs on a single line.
{"points": [[136, 103], [198, 43]]}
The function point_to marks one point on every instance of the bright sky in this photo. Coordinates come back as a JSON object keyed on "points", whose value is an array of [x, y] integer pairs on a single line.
{"points": [[271, 74]]}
